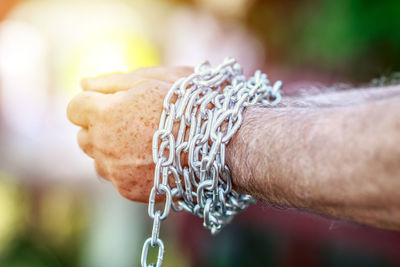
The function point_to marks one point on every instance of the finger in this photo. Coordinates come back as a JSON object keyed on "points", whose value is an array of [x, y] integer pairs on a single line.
{"points": [[101, 169], [165, 74], [83, 106], [115, 82], [85, 143], [110, 83]]}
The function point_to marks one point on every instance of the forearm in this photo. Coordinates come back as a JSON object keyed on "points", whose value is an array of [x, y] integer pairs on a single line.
{"points": [[339, 161], [342, 98]]}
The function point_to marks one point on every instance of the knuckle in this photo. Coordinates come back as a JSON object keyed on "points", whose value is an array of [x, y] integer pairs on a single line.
{"points": [[101, 169], [72, 109], [84, 142]]}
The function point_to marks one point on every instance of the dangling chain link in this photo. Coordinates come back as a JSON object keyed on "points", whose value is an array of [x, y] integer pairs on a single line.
{"points": [[200, 183]]}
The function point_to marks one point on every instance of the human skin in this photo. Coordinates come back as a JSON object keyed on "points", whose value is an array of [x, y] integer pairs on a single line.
{"points": [[335, 153], [118, 114]]}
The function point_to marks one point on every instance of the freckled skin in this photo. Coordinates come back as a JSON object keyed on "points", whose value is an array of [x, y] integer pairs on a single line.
{"points": [[337, 154], [123, 142], [118, 122]]}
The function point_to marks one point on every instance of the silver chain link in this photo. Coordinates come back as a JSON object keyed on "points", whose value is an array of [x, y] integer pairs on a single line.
{"points": [[208, 107]]}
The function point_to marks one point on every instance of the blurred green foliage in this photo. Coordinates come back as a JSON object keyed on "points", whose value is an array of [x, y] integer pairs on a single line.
{"points": [[359, 39]]}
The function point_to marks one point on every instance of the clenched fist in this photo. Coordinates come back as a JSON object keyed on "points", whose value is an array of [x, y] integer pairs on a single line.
{"points": [[118, 114]]}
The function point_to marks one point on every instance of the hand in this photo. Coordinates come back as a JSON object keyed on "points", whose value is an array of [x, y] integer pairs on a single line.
{"points": [[118, 114]]}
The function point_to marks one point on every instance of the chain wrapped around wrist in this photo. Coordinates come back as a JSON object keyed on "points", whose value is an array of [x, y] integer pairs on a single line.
{"points": [[207, 106]]}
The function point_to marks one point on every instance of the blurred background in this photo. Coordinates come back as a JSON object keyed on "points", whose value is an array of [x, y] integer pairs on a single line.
{"points": [[55, 210]]}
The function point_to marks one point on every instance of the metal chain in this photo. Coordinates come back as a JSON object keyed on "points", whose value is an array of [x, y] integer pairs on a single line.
{"points": [[208, 108]]}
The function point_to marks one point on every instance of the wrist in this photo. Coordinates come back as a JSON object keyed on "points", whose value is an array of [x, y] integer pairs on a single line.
{"points": [[260, 154], [240, 158]]}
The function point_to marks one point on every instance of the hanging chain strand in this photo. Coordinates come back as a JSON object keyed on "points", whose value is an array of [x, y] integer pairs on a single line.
{"points": [[200, 104]]}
